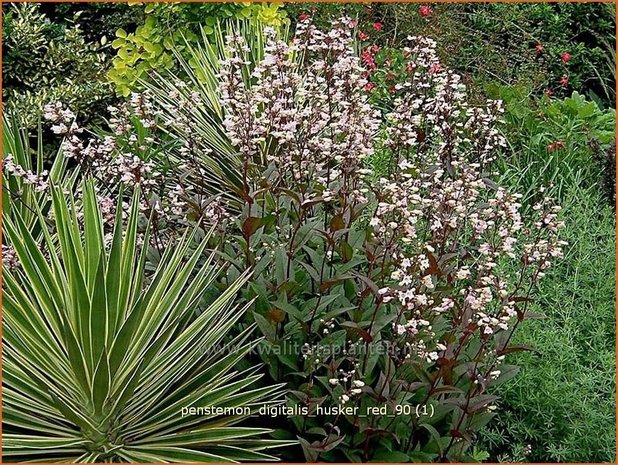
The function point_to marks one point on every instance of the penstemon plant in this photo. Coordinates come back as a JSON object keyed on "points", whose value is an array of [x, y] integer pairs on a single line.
{"points": [[402, 293], [389, 269]]}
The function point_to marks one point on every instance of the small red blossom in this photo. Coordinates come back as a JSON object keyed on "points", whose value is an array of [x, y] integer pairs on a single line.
{"points": [[303, 16], [368, 60], [392, 90], [424, 11], [566, 57], [353, 23], [564, 80], [539, 48], [363, 36], [549, 92], [378, 26], [369, 86]]}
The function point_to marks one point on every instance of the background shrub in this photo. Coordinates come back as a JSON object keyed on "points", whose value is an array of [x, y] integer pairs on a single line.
{"points": [[559, 143], [55, 52], [170, 28], [496, 42]]}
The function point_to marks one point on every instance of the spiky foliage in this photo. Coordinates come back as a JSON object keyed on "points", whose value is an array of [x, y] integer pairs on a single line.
{"points": [[100, 356]]}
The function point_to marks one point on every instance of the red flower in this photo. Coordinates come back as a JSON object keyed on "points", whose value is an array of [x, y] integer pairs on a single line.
{"points": [[564, 80], [566, 57], [424, 11], [539, 48], [549, 92], [303, 16], [368, 60], [353, 23], [363, 36], [369, 86], [378, 26], [392, 90]]}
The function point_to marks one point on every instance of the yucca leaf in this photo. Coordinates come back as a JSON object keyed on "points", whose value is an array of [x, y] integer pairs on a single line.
{"points": [[100, 384], [113, 276], [77, 359], [98, 312], [202, 436]]}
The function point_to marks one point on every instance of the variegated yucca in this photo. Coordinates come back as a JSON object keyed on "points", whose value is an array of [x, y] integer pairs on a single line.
{"points": [[99, 356]]}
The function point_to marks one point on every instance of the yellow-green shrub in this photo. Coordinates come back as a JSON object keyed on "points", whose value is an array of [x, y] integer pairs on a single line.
{"points": [[173, 25]]}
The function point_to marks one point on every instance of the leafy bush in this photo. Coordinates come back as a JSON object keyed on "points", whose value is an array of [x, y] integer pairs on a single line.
{"points": [[554, 141], [107, 363], [43, 61], [175, 26], [392, 264], [511, 44]]}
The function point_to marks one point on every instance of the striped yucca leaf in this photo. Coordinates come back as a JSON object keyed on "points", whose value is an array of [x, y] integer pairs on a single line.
{"points": [[99, 359]]}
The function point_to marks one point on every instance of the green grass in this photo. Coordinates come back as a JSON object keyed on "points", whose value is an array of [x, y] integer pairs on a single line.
{"points": [[562, 404]]}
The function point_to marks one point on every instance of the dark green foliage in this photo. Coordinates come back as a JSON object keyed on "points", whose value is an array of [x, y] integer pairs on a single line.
{"points": [[46, 60], [553, 142]]}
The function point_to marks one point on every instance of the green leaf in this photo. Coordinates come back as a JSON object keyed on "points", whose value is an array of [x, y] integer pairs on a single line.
{"points": [[101, 384]]}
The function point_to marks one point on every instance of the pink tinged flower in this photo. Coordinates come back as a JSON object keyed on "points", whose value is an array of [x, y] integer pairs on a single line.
{"points": [[369, 86], [424, 11], [549, 92], [363, 36], [564, 80], [565, 57], [539, 48], [435, 68], [378, 26]]}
